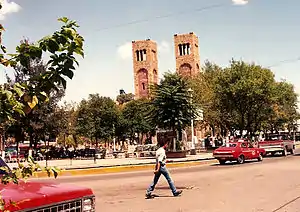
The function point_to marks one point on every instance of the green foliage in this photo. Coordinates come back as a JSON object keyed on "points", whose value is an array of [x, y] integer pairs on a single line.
{"points": [[204, 95], [23, 172], [19, 98], [124, 98], [245, 91], [97, 117], [172, 105], [134, 114], [62, 47], [245, 97], [284, 109]]}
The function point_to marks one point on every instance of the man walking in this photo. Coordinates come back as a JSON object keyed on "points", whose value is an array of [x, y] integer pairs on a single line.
{"points": [[161, 169]]}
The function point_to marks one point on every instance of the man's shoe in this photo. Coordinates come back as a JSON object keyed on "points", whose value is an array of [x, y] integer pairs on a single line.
{"points": [[148, 196], [177, 193]]}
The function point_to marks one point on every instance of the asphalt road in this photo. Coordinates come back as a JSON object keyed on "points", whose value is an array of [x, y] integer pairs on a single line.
{"points": [[272, 186]]}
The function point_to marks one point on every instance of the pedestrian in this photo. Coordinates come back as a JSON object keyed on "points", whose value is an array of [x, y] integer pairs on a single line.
{"points": [[161, 169]]}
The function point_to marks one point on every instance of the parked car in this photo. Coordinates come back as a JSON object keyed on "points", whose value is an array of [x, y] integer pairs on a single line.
{"points": [[46, 196], [238, 151], [278, 144]]}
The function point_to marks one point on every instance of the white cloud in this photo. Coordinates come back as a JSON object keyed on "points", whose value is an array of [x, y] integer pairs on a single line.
{"points": [[7, 8], [163, 46], [125, 51], [240, 2]]}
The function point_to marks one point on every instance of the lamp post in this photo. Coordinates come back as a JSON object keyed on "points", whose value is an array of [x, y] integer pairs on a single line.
{"points": [[47, 148], [193, 149], [114, 137]]}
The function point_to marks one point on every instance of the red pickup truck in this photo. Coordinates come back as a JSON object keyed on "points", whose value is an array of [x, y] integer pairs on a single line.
{"points": [[238, 151], [46, 197], [278, 144]]}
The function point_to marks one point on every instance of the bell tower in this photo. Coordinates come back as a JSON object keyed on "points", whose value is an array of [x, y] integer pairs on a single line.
{"points": [[187, 54], [145, 66]]}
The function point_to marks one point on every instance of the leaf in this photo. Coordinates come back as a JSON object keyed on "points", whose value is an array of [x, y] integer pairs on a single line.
{"points": [[53, 46], [8, 94], [18, 91], [3, 48], [44, 97], [63, 19], [63, 82], [68, 73], [34, 101], [1, 26], [27, 98]]}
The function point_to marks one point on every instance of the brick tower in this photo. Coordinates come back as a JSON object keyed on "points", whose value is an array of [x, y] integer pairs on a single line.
{"points": [[187, 54], [145, 66]]}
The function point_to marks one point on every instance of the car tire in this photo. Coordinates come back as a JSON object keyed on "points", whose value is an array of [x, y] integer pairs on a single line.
{"points": [[222, 162], [260, 158], [241, 159], [284, 152]]}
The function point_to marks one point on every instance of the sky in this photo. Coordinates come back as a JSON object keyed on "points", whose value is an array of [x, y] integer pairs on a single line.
{"points": [[262, 31]]}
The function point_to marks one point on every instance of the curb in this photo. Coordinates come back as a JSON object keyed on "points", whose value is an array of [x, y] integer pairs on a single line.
{"points": [[124, 168]]}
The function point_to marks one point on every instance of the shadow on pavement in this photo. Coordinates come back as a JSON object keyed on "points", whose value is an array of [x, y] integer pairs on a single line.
{"points": [[232, 163], [168, 188], [296, 155]]}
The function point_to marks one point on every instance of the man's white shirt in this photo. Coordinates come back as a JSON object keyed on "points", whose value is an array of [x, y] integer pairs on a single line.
{"points": [[161, 156]]}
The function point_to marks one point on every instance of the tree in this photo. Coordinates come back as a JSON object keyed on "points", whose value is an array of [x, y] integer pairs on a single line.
{"points": [[62, 47], [246, 93], [284, 109], [124, 98], [173, 107], [134, 115], [204, 94], [39, 121], [97, 117]]}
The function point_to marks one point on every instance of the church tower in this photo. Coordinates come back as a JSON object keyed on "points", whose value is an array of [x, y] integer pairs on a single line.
{"points": [[187, 54], [145, 66]]}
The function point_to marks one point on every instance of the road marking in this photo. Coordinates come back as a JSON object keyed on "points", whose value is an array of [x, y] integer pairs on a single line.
{"points": [[286, 204]]}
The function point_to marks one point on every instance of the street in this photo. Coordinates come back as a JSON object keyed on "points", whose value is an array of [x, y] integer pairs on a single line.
{"points": [[272, 185]]}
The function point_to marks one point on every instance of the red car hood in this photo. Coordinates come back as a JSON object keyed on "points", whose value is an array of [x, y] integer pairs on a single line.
{"points": [[36, 194], [224, 149]]}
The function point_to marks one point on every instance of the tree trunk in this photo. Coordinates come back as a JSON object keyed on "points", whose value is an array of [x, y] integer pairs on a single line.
{"points": [[174, 139], [30, 139], [2, 144], [64, 140]]}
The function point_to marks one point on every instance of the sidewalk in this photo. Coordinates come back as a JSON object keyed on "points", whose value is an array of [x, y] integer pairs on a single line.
{"points": [[85, 164]]}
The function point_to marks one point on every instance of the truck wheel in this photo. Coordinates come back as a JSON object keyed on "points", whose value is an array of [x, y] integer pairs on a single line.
{"points": [[241, 159], [284, 152], [222, 162], [260, 158]]}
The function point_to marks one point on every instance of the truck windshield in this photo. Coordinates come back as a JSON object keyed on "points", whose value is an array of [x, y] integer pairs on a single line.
{"points": [[277, 137]]}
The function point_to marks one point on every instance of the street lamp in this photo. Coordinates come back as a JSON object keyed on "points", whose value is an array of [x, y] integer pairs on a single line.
{"points": [[47, 148], [114, 137], [193, 149]]}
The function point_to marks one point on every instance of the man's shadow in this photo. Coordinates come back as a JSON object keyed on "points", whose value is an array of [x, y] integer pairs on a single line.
{"points": [[165, 188]]}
